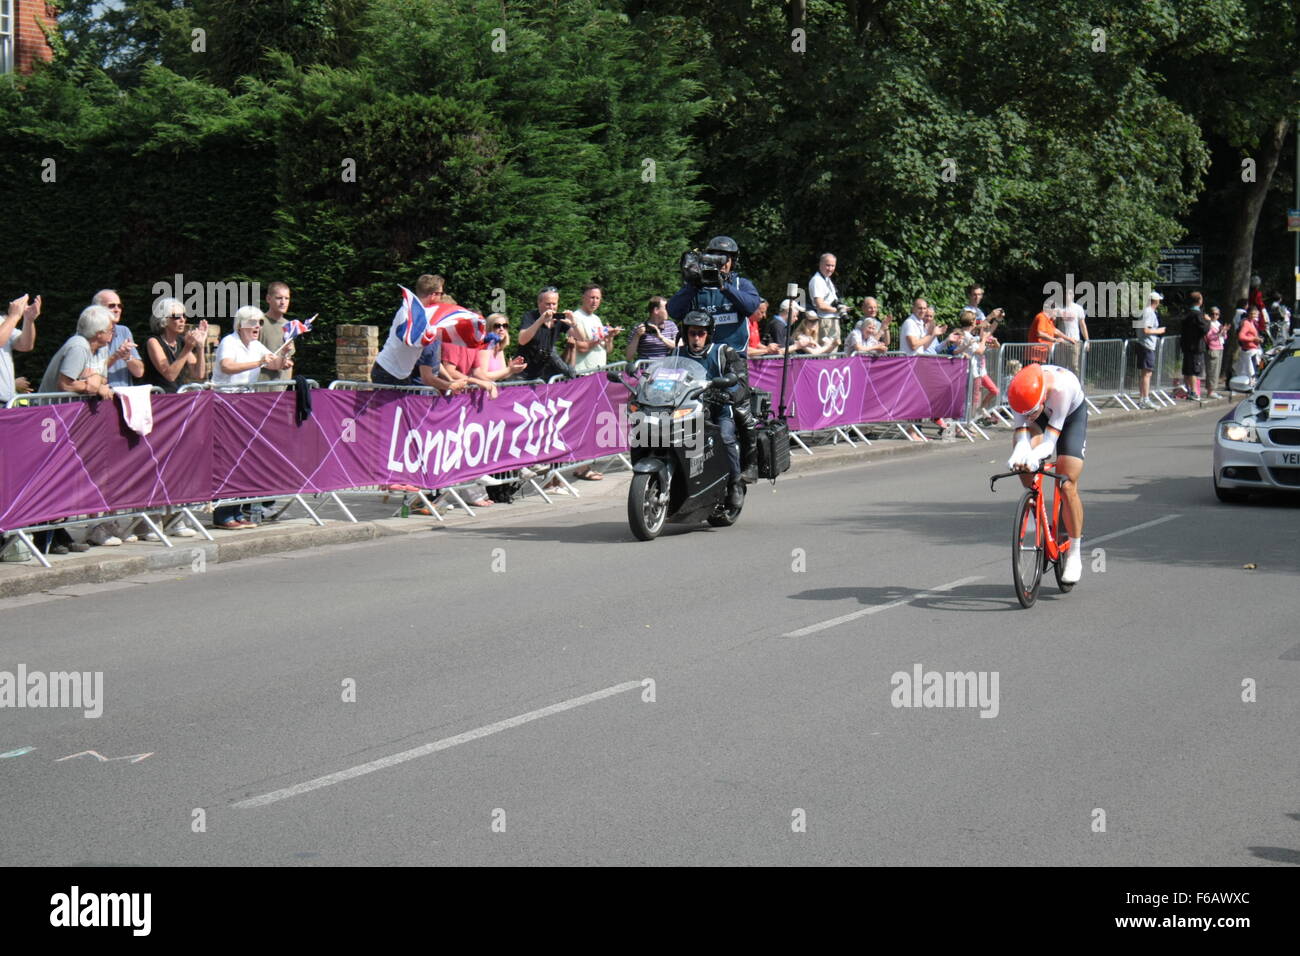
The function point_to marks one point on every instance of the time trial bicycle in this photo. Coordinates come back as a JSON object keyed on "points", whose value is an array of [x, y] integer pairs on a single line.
{"points": [[1037, 540]]}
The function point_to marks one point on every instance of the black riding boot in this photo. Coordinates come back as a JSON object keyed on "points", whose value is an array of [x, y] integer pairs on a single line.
{"points": [[735, 493], [748, 443]]}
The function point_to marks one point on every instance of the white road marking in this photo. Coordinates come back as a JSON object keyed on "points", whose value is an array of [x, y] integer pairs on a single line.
{"points": [[877, 608], [424, 750], [1136, 527]]}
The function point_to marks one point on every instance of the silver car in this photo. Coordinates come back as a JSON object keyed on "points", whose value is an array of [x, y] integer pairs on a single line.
{"points": [[1257, 444]]}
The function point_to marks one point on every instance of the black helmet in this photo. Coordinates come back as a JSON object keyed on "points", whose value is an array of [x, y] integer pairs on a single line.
{"points": [[697, 320], [723, 244]]}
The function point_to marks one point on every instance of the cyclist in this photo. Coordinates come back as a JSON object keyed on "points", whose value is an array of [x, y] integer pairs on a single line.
{"points": [[1051, 418]]}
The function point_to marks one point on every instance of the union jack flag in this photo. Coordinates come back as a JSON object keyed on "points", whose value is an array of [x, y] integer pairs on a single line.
{"points": [[453, 323], [294, 328]]}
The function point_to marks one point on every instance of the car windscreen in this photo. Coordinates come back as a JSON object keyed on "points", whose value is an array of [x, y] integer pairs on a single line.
{"points": [[1282, 374]]}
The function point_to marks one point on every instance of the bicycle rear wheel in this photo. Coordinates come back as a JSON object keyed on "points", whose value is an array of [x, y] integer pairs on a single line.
{"points": [[1027, 551]]}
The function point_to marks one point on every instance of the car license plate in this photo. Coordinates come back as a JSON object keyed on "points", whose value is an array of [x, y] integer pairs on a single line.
{"points": [[1285, 459]]}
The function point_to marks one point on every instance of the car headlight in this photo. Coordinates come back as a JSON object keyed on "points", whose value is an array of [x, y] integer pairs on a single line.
{"points": [[1238, 431]]}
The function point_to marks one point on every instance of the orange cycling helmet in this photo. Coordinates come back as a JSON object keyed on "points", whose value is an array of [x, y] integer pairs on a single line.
{"points": [[1027, 389]]}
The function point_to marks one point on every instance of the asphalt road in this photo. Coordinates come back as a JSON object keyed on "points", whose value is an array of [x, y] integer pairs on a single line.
{"points": [[1125, 696]]}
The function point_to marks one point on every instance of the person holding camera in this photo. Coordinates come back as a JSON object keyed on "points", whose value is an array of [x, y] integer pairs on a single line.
{"points": [[656, 336], [826, 301], [713, 285], [539, 331]]}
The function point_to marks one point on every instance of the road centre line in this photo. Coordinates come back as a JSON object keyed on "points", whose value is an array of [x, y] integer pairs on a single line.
{"points": [[876, 608], [425, 749], [1136, 527]]}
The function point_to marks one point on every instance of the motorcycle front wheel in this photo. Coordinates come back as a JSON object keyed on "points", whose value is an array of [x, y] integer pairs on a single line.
{"points": [[646, 511]]}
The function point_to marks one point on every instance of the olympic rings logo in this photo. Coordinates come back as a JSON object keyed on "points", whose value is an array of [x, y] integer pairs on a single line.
{"points": [[833, 387]]}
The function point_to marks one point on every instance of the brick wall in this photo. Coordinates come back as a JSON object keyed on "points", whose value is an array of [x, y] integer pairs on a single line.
{"points": [[29, 38], [355, 349]]}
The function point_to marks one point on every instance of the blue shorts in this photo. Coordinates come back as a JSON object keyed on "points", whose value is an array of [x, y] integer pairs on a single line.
{"points": [[1073, 440], [1146, 359]]}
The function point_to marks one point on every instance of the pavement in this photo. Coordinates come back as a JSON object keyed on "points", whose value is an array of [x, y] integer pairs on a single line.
{"points": [[297, 532]]}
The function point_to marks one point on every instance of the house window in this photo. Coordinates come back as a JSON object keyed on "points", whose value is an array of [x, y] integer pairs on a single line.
{"points": [[6, 36]]}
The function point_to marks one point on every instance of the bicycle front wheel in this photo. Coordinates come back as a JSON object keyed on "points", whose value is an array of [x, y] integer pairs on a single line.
{"points": [[1027, 551]]}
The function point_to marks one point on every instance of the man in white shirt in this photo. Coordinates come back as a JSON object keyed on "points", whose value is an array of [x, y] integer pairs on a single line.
{"points": [[1149, 332], [591, 341], [240, 356], [11, 340], [821, 291], [919, 335], [1072, 322]]}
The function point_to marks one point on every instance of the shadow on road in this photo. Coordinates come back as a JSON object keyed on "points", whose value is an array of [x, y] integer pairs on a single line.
{"points": [[582, 532], [971, 597], [1275, 854], [1208, 533]]}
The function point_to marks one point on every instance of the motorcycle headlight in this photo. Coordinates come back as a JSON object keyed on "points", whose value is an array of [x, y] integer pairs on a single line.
{"points": [[633, 407], [680, 413], [1239, 431]]}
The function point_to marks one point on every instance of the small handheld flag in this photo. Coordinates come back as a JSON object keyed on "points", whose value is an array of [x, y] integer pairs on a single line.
{"points": [[294, 328]]}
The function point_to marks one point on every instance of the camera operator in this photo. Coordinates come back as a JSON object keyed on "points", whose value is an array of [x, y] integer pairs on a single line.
{"points": [[712, 285], [538, 334]]}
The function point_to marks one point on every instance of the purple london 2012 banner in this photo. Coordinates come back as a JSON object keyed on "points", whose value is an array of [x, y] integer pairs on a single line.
{"points": [[79, 458], [825, 393]]}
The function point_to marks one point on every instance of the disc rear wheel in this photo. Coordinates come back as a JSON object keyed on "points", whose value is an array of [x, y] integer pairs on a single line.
{"points": [[1027, 551]]}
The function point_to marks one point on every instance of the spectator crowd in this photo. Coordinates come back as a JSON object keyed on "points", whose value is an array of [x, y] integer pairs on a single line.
{"points": [[102, 357]]}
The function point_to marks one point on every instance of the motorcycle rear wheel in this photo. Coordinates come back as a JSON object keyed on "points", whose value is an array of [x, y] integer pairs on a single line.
{"points": [[725, 517]]}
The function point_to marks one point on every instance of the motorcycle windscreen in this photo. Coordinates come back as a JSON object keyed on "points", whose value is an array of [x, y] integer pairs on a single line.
{"points": [[669, 380]]}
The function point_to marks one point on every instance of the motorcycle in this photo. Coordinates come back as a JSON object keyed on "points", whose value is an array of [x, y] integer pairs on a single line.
{"points": [[679, 459]]}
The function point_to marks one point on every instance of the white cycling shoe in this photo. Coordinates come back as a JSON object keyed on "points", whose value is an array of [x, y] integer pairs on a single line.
{"points": [[1073, 569]]}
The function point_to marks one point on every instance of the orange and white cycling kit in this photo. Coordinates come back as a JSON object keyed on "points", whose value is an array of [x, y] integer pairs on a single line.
{"points": [[1063, 420]]}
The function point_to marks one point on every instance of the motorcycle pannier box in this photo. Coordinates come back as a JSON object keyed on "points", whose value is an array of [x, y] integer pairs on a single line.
{"points": [[773, 448]]}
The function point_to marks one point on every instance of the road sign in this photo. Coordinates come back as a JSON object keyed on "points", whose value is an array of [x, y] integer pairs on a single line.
{"points": [[1180, 265]]}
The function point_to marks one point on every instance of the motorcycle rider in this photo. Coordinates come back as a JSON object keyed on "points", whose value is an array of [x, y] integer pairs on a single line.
{"points": [[729, 306], [720, 360]]}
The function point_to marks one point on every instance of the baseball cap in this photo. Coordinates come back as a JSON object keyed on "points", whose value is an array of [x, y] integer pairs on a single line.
{"points": [[786, 304], [1157, 296]]}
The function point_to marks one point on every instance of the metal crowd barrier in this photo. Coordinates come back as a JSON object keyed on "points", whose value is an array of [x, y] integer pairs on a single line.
{"points": [[277, 385], [1104, 365], [1169, 369], [32, 399]]}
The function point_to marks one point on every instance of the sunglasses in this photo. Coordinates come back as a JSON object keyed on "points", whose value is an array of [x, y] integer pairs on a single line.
{"points": [[500, 325], [549, 288], [115, 305], [180, 317]]}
